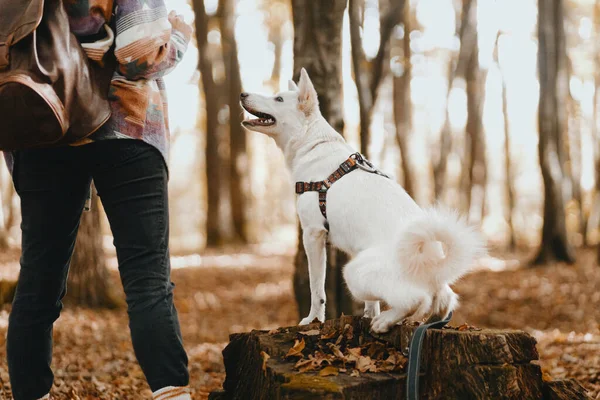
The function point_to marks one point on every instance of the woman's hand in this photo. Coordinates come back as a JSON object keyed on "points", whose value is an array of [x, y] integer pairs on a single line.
{"points": [[179, 24]]}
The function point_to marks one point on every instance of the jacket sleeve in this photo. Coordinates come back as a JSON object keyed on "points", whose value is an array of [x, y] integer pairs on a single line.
{"points": [[147, 46]]}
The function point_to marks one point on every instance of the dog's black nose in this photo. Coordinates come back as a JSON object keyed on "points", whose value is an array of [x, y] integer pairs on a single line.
{"points": [[244, 95]]}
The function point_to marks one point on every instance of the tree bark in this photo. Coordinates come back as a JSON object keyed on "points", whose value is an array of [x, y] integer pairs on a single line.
{"points": [[369, 74], [7, 212], [89, 282], [403, 104], [510, 195], [595, 132], [573, 163], [551, 123], [474, 165], [237, 134], [318, 47], [214, 235], [276, 36], [441, 161], [466, 24]]}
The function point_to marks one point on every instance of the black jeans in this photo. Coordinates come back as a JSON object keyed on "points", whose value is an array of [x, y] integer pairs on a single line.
{"points": [[131, 179]]}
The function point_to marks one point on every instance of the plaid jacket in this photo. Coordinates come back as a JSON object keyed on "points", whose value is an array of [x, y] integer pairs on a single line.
{"points": [[146, 48]]}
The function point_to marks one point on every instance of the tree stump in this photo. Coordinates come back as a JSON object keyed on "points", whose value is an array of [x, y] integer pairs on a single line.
{"points": [[342, 359]]}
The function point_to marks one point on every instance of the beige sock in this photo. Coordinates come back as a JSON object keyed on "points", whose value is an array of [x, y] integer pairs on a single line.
{"points": [[172, 393]]}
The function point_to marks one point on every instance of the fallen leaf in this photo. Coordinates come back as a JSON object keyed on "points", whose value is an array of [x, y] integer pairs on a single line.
{"points": [[312, 332], [353, 354], [296, 350], [336, 351], [546, 377], [348, 331], [302, 362], [329, 335], [365, 364], [376, 350], [265, 357], [328, 371], [355, 373]]}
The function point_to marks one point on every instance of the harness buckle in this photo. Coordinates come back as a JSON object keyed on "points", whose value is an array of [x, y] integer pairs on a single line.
{"points": [[347, 165], [299, 187]]}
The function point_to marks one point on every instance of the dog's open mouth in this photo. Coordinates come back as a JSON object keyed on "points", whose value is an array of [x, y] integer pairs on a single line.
{"points": [[263, 119]]}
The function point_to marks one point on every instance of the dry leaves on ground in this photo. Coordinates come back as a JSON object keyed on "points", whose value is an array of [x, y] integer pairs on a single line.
{"points": [[339, 351]]}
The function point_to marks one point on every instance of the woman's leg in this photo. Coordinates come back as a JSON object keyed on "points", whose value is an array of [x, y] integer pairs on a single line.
{"points": [[52, 186], [131, 179]]}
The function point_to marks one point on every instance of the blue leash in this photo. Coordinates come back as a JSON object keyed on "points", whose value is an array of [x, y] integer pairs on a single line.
{"points": [[414, 357]]}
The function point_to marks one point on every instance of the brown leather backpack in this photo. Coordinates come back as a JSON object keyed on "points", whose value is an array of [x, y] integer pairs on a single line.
{"points": [[50, 93]]}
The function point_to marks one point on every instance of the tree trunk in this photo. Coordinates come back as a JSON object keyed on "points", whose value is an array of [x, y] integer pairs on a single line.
{"points": [[317, 47], [403, 104], [510, 195], [573, 164], [89, 282], [7, 212], [237, 134], [368, 75], [455, 364], [595, 212], [474, 165], [214, 236], [441, 161], [467, 34], [551, 123]]}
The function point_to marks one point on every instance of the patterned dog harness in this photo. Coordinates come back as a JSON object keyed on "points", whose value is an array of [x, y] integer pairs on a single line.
{"points": [[353, 162]]}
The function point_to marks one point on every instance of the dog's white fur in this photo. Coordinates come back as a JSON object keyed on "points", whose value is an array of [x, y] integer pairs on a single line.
{"points": [[402, 254]]}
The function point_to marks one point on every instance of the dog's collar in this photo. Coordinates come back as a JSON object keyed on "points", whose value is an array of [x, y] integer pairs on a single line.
{"points": [[353, 162]]}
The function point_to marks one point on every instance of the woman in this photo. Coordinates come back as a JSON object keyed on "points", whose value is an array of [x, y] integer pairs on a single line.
{"points": [[126, 159]]}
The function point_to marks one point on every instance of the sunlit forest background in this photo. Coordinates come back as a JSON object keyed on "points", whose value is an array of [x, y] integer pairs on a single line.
{"points": [[487, 106]]}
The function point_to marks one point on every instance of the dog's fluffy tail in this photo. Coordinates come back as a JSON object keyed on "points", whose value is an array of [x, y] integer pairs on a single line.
{"points": [[440, 244]]}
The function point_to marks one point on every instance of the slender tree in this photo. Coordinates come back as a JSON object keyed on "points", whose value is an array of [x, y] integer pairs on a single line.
{"points": [[278, 13], [510, 195], [595, 131], [403, 103], [551, 123], [318, 47], [237, 134], [573, 160], [213, 101], [368, 74], [89, 281], [466, 30], [7, 211], [474, 164]]}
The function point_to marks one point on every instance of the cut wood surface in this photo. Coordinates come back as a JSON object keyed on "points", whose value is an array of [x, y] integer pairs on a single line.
{"points": [[342, 359]]}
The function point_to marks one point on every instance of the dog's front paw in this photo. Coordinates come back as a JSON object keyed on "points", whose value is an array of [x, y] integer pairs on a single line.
{"points": [[310, 319]]}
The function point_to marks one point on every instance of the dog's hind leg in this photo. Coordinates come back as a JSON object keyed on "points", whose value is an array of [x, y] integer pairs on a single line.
{"points": [[444, 301], [314, 244], [371, 309], [409, 302]]}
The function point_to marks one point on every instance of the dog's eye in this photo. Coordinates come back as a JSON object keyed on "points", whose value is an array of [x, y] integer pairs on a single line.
{"points": [[279, 99]]}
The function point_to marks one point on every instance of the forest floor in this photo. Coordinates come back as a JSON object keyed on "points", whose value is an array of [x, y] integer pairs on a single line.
{"points": [[237, 290]]}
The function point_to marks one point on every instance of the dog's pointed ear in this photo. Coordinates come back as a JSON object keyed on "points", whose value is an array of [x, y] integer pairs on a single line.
{"points": [[292, 87], [307, 95]]}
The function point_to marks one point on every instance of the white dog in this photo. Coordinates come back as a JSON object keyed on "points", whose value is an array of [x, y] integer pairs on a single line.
{"points": [[402, 254]]}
